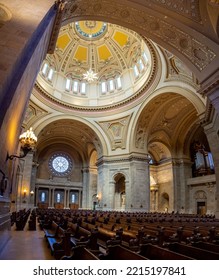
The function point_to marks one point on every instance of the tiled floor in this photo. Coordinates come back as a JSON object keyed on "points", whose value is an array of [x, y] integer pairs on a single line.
{"points": [[26, 245]]}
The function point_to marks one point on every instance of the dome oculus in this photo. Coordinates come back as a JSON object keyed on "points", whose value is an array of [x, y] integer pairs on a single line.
{"points": [[90, 29]]}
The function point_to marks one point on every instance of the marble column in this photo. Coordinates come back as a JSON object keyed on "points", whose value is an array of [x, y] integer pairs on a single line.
{"points": [[181, 172], [135, 171], [154, 198], [27, 164], [85, 185]]}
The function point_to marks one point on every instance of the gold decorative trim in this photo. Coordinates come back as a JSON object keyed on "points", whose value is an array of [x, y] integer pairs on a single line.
{"points": [[143, 90]]}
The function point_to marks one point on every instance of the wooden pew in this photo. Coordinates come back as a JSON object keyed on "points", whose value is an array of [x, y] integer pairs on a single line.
{"points": [[192, 252], [22, 218], [80, 253], [107, 237], [206, 246], [154, 252], [56, 242], [78, 233], [117, 252], [52, 230], [63, 248]]}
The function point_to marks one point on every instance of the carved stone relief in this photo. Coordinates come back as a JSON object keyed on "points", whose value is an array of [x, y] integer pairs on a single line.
{"points": [[200, 195], [33, 113], [116, 130]]}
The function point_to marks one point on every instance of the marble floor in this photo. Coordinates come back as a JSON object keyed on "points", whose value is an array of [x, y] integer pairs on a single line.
{"points": [[26, 245]]}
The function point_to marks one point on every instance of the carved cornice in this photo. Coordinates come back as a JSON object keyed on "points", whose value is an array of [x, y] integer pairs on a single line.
{"points": [[211, 87], [208, 115], [123, 159], [199, 53]]}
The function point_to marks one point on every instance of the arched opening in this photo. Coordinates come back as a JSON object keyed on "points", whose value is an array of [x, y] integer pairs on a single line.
{"points": [[164, 205], [201, 202], [120, 192]]}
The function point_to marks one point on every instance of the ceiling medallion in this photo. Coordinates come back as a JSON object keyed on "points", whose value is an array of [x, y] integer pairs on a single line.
{"points": [[90, 76]]}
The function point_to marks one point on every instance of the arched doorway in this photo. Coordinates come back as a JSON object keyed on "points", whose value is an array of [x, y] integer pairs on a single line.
{"points": [[201, 202], [164, 206], [120, 192]]}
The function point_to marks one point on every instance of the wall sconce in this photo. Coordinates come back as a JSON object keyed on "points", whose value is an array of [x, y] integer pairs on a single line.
{"points": [[28, 141], [24, 192], [98, 198], [32, 193]]}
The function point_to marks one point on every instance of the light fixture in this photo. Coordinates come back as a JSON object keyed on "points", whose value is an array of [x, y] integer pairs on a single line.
{"points": [[90, 76], [32, 193], [28, 141], [24, 192]]}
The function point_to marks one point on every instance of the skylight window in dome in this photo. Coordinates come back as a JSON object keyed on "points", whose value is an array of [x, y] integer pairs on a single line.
{"points": [[145, 58], [136, 71], [75, 86], [83, 88], [50, 75], [45, 69], [111, 85], [68, 84], [118, 83], [141, 65], [103, 87]]}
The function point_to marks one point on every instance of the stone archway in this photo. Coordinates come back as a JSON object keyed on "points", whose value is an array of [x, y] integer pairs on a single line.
{"points": [[153, 22], [120, 194], [164, 203]]}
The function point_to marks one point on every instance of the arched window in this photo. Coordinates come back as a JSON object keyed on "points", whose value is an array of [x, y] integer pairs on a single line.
{"points": [[141, 65], [103, 87], [73, 198], [111, 85], [45, 69], [68, 84], [75, 86], [118, 83], [136, 71], [58, 198], [43, 197], [50, 74], [83, 88]]}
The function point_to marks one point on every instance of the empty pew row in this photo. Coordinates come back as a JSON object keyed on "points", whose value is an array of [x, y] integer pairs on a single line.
{"points": [[107, 233], [193, 252]]}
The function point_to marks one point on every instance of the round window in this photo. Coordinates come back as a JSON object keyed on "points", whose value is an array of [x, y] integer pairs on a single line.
{"points": [[60, 164]]}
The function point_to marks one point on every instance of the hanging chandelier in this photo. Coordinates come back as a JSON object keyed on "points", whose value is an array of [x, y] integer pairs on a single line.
{"points": [[90, 76]]}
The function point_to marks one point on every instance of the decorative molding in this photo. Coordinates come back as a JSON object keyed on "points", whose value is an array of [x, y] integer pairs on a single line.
{"points": [[123, 159], [33, 113], [208, 115], [177, 71], [152, 79], [187, 8], [116, 130], [198, 53]]}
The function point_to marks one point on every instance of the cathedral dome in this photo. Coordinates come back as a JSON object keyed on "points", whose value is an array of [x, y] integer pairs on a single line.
{"points": [[97, 65]]}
